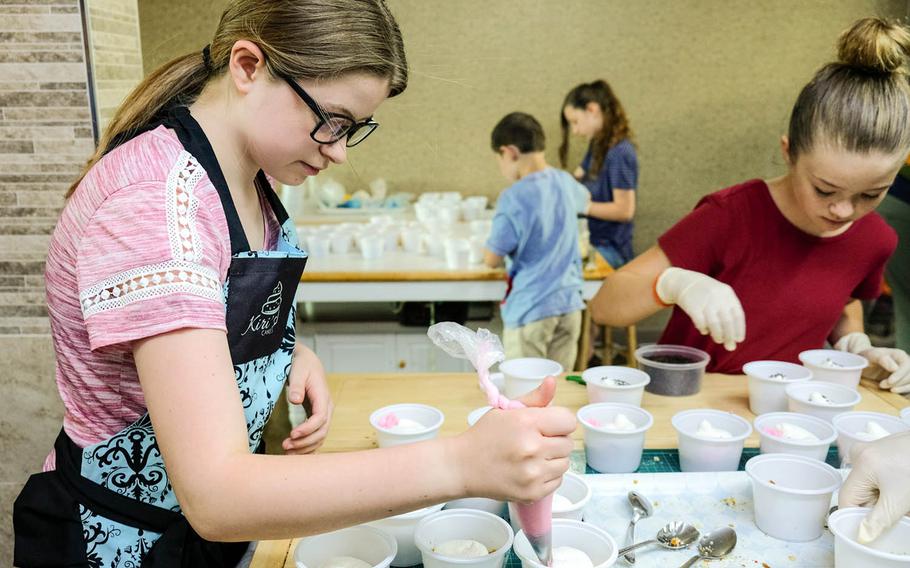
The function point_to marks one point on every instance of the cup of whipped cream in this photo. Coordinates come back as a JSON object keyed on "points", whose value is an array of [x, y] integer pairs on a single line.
{"points": [[710, 440], [405, 423], [795, 434], [614, 435]]}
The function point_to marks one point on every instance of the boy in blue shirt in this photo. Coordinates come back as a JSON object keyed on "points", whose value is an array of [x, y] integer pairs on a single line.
{"points": [[535, 228]]}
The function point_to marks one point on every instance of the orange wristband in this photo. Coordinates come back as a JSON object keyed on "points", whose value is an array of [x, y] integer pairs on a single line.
{"points": [[657, 296]]}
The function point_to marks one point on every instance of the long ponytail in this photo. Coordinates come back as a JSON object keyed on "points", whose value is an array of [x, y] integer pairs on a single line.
{"points": [[177, 81]]}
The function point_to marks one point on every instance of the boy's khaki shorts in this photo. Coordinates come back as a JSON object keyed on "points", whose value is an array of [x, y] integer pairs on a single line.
{"points": [[554, 338]]}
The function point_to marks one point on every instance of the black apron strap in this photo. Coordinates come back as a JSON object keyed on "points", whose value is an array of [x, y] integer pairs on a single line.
{"points": [[197, 143]]}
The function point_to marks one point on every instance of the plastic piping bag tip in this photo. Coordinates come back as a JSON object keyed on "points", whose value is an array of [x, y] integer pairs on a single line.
{"points": [[542, 546]]}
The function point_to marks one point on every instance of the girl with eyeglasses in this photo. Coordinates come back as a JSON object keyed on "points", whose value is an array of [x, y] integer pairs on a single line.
{"points": [[171, 279]]}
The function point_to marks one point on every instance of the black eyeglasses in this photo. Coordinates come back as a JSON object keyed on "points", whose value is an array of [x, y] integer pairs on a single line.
{"points": [[332, 127]]}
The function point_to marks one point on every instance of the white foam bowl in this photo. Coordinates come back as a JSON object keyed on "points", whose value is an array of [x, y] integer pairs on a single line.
{"points": [[791, 495], [849, 423], [771, 444], [767, 394], [843, 399], [451, 524], [367, 543], [593, 541], [848, 374], [890, 550], [431, 418], [401, 528], [525, 374], [698, 453], [575, 489], [599, 391], [614, 451]]}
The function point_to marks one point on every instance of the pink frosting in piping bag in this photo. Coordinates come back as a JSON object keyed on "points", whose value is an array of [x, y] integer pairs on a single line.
{"points": [[483, 349]]}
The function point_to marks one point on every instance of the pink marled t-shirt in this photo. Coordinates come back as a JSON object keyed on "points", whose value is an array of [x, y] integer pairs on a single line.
{"points": [[141, 248]]}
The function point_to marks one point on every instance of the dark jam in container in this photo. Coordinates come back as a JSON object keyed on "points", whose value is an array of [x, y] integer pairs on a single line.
{"points": [[672, 359]]}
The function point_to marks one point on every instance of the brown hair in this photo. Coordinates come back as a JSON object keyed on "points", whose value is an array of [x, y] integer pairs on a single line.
{"points": [[521, 130], [615, 124], [311, 39], [862, 101]]}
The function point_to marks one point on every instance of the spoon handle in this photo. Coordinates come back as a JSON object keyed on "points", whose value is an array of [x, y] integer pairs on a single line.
{"points": [[691, 561], [630, 538], [636, 546]]}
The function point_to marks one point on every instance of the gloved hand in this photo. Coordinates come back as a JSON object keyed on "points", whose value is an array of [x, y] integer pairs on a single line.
{"points": [[889, 366], [880, 479], [712, 305]]}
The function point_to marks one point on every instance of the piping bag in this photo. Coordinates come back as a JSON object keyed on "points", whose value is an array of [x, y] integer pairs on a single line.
{"points": [[484, 349]]}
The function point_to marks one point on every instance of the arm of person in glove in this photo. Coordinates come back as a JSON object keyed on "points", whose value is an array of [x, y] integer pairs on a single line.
{"points": [[880, 479], [649, 283], [891, 367]]}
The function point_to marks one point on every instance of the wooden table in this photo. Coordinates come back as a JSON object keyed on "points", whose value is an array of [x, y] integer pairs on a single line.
{"points": [[357, 395]]}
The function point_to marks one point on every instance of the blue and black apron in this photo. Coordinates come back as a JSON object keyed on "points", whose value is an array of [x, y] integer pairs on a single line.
{"points": [[111, 504]]}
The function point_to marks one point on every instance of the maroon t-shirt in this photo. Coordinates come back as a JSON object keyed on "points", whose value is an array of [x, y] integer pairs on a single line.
{"points": [[793, 286]]}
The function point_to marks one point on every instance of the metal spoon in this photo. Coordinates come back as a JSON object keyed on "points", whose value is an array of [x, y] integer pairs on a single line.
{"points": [[674, 536], [641, 508], [713, 546]]}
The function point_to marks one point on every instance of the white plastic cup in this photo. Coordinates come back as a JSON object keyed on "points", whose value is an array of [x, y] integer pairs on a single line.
{"points": [[791, 495], [698, 453], [319, 245], [598, 391], [341, 243], [614, 451], [849, 423], [593, 541], [890, 550], [390, 238], [526, 374], [481, 228], [431, 418], [434, 244], [371, 246], [367, 543], [771, 444], [410, 240], [843, 399], [451, 524], [767, 394], [457, 253], [848, 374], [401, 528], [905, 415], [476, 252], [575, 489]]}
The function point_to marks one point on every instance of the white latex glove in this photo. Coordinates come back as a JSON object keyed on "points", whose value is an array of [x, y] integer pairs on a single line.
{"points": [[712, 305], [889, 366], [880, 479]]}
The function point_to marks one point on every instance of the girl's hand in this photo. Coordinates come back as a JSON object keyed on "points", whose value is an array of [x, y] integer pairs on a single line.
{"points": [[518, 455], [307, 385]]}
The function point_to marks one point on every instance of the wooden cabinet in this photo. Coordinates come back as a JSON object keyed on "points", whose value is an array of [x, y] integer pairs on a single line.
{"points": [[407, 352]]}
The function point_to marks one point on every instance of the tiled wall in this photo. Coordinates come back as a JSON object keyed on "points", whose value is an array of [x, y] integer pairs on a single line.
{"points": [[116, 54], [45, 137]]}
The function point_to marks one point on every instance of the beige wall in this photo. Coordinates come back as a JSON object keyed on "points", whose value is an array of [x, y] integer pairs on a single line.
{"points": [[707, 85]]}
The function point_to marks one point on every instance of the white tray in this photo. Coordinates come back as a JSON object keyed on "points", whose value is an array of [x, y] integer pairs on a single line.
{"points": [[707, 501]]}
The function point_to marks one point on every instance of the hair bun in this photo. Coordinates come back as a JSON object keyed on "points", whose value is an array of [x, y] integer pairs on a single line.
{"points": [[876, 45]]}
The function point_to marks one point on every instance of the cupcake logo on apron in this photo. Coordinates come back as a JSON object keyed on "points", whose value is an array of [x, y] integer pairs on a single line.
{"points": [[265, 322]]}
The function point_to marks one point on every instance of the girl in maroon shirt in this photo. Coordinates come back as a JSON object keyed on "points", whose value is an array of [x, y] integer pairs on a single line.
{"points": [[790, 258]]}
